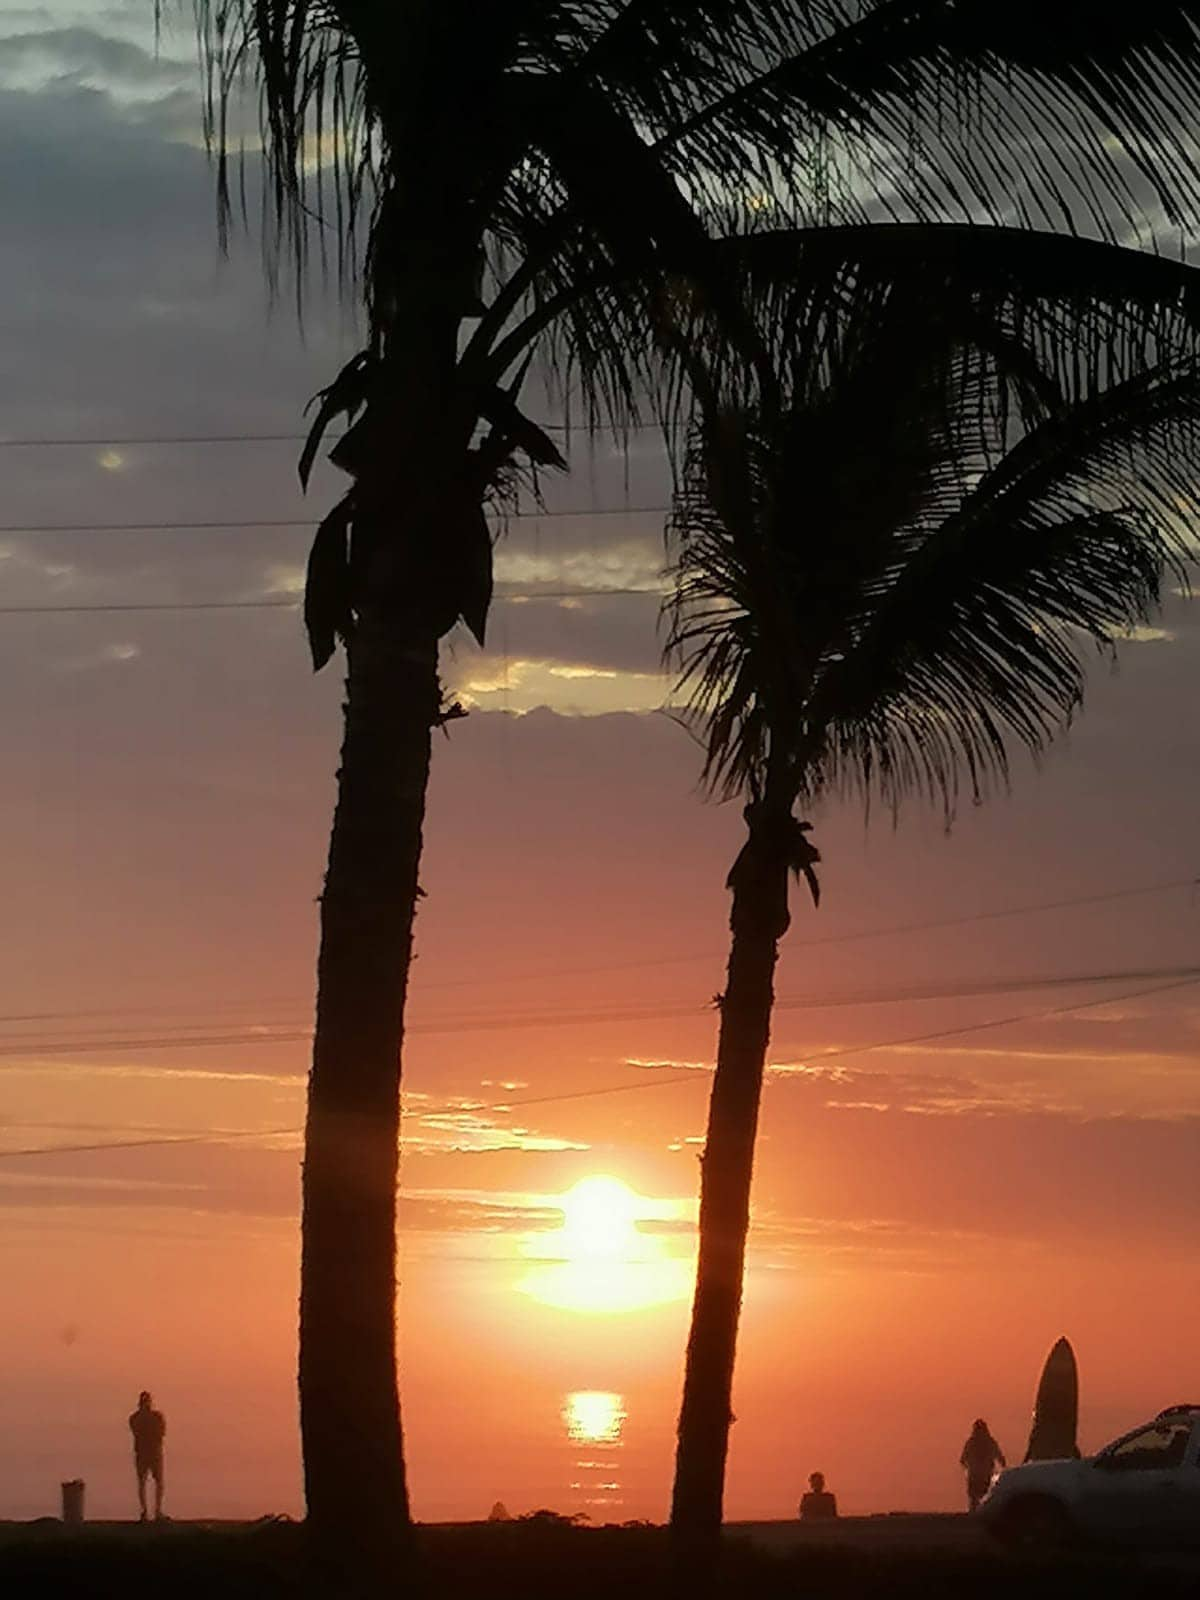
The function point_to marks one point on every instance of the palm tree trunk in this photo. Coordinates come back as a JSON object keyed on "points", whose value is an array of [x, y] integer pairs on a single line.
{"points": [[349, 1406], [758, 920]]}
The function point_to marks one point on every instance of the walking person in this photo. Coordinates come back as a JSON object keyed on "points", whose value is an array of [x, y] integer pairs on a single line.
{"points": [[148, 1428], [981, 1455]]}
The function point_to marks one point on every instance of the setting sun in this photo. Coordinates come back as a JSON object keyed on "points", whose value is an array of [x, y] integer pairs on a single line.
{"points": [[602, 1260], [599, 1220]]}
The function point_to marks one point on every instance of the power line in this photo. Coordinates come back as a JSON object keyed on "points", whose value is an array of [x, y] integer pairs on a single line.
{"points": [[124, 1011], [292, 603], [223, 1136], [1002, 1022], [33, 1046], [692, 1075], [62, 443], [281, 603], [165, 525], [222, 524], [287, 1031], [818, 941], [149, 1143], [1014, 911], [551, 974], [497, 1022]]}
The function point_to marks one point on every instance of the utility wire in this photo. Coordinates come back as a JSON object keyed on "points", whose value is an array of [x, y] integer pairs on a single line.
{"points": [[149, 1143], [293, 603], [281, 603], [242, 524], [818, 941], [62, 443], [547, 975], [692, 1075], [465, 1107], [489, 1022], [1001, 1022]]}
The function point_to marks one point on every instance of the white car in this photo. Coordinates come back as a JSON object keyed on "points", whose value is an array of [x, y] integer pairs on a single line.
{"points": [[1143, 1488]]}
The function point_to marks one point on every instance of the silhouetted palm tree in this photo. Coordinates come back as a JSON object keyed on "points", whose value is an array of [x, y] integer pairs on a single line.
{"points": [[549, 172], [889, 571]]}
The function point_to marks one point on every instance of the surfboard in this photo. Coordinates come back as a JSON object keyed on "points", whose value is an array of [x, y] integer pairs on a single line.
{"points": [[1056, 1409]]}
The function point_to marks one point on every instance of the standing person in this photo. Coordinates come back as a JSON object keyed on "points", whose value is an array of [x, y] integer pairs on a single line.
{"points": [[148, 1428], [981, 1455], [818, 1505]]}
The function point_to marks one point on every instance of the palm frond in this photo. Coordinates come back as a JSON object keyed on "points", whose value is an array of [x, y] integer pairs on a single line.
{"points": [[967, 104], [902, 584], [1081, 308], [980, 638], [952, 107], [558, 171]]}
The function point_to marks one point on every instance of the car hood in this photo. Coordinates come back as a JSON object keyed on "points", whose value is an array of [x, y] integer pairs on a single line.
{"points": [[1034, 1475]]}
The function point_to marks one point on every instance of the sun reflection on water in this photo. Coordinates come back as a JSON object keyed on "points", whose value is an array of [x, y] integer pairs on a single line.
{"points": [[595, 1419], [594, 1416]]}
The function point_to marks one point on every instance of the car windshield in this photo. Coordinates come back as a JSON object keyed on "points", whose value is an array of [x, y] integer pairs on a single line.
{"points": [[1164, 1444]]}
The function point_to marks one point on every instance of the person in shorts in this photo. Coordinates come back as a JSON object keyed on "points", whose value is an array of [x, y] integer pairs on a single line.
{"points": [[148, 1428]]}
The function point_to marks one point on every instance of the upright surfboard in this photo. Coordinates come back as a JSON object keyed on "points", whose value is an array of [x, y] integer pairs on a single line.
{"points": [[1056, 1410]]}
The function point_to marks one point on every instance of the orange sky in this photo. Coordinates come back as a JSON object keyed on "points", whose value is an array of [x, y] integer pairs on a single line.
{"points": [[930, 1216]]}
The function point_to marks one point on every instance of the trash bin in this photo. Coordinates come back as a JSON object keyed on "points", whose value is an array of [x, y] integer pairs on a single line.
{"points": [[72, 1500]]}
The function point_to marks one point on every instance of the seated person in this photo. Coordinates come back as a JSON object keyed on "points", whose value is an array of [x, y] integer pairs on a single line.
{"points": [[818, 1505]]}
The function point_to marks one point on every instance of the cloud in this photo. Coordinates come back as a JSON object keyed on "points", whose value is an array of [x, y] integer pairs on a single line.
{"points": [[1001, 1085], [113, 1070], [82, 55], [466, 1131], [1142, 633], [669, 1066], [519, 685], [245, 1179], [1057, 1179], [39, 1181], [477, 1211], [28, 569], [117, 653], [614, 560], [879, 1243], [118, 264]]}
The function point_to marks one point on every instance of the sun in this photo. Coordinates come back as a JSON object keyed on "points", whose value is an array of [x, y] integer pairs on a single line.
{"points": [[600, 1220], [602, 1260]]}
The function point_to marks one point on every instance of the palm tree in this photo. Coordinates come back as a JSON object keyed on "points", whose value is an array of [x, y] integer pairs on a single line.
{"points": [[889, 570], [535, 182]]}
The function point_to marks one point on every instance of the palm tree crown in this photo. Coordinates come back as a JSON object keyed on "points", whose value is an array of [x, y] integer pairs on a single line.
{"points": [[539, 104], [892, 574], [544, 168]]}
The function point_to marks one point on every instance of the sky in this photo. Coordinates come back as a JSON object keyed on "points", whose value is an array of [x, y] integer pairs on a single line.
{"points": [[966, 1150]]}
